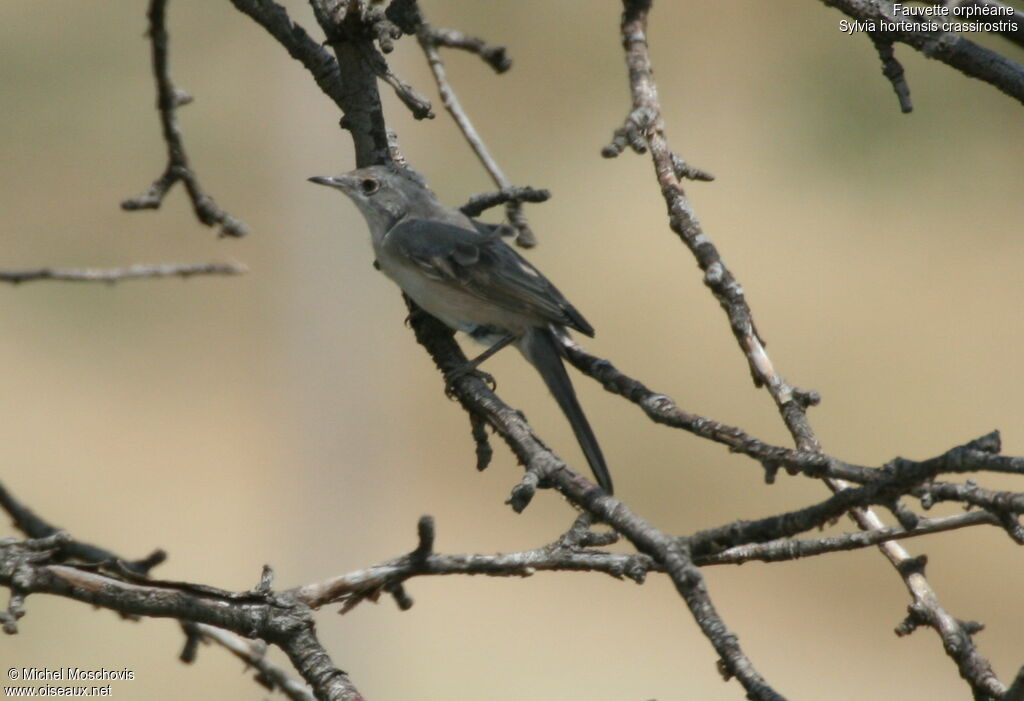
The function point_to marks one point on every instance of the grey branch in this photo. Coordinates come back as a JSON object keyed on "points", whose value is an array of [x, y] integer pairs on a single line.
{"points": [[429, 40], [796, 548], [950, 48], [417, 103], [35, 566], [367, 584], [893, 70], [1015, 17], [253, 653], [358, 98], [350, 24], [169, 99], [495, 56], [544, 468], [299, 45], [477, 204], [647, 129], [131, 272], [245, 613], [52, 562]]}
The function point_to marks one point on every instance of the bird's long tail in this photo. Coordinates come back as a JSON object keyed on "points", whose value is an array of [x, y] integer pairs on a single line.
{"points": [[544, 352]]}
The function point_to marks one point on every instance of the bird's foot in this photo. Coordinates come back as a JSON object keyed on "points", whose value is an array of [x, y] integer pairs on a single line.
{"points": [[414, 315], [452, 376]]}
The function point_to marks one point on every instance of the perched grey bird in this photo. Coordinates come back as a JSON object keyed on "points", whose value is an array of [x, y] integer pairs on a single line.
{"points": [[469, 278]]}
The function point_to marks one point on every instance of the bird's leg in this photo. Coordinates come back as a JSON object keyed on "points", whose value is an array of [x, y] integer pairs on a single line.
{"points": [[475, 362], [470, 366]]}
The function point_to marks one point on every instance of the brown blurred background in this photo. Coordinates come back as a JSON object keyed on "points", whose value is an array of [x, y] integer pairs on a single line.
{"points": [[288, 417]]}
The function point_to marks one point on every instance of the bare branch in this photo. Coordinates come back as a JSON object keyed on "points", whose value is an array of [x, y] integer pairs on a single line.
{"points": [[484, 452], [791, 402], [477, 204], [948, 47], [169, 99], [52, 562], [358, 97], [650, 127], [358, 24], [418, 104], [429, 41], [35, 566], [797, 548], [663, 409], [276, 619], [1016, 690], [39, 530], [1015, 19], [893, 70], [495, 56], [112, 275], [253, 653], [300, 46], [477, 398]]}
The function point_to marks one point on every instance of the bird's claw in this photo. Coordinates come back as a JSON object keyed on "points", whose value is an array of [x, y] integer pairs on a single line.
{"points": [[414, 315], [452, 376]]}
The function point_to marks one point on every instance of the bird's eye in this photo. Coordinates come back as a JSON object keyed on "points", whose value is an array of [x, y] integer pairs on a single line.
{"points": [[369, 186]]}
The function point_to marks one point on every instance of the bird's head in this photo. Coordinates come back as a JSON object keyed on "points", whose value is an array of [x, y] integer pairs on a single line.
{"points": [[382, 193]]}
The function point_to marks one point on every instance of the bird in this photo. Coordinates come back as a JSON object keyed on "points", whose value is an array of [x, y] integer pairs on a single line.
{"points": [[462, 272]]}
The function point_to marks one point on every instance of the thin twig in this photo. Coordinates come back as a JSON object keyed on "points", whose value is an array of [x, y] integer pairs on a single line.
{"points": [[791, 402], [1011, 28], [368, 583], [950, 48], [169, 99], [477, 204], [37, 528], [299, 44], [893, 70], [253, 653], [131, 272], [797, 548], [513, 209]]}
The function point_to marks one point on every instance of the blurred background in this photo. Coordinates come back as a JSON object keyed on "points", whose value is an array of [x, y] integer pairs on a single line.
{"points": [[288, 417]]}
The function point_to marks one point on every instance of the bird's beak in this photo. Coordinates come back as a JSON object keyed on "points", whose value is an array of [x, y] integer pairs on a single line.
{"points": [[328, 180]]}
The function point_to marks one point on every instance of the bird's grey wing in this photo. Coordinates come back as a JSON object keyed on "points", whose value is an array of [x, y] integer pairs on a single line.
{"points": [[484, 266]]}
